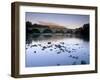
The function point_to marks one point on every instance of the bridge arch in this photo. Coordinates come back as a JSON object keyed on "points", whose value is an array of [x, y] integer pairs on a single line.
{"points": [[47, 31]]}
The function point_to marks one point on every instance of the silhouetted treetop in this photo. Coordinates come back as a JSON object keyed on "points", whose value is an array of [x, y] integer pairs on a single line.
{"points": [[28, 24]]}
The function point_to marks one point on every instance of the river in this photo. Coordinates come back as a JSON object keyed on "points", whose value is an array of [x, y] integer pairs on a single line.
{"points": [[56, 50]]}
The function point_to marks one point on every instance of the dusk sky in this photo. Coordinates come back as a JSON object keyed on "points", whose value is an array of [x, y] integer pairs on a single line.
{"points": [[68, 20]]}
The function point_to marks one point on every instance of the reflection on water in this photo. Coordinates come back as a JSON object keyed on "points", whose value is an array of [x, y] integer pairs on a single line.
{"points": [[56, 50]]}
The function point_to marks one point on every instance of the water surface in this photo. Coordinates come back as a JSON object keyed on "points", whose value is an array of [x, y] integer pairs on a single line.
{"points": [[56, 50]]}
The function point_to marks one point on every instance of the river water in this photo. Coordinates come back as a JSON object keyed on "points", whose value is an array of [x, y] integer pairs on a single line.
{"points": [[56, 50]]}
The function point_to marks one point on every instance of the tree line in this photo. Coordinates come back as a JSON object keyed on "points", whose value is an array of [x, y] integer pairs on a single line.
{"points": [[84, 30]]}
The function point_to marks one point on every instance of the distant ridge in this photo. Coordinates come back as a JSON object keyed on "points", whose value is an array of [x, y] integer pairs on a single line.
{"points": [[50, 24]]}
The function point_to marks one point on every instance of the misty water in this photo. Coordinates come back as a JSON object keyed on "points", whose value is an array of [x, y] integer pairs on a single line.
{"points": [[56, 50]]}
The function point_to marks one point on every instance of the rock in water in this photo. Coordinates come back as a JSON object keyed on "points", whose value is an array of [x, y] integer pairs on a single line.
{"points": [[34, 51], [83, 62], [51, 49], [49, 42], [58, 64]]}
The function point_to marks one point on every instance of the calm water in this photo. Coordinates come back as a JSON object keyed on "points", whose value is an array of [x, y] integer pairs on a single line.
{"points": [[56, 50]]}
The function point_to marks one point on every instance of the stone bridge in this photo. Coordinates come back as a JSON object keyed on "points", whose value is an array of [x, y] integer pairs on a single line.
{"points": [[53, 30]]}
